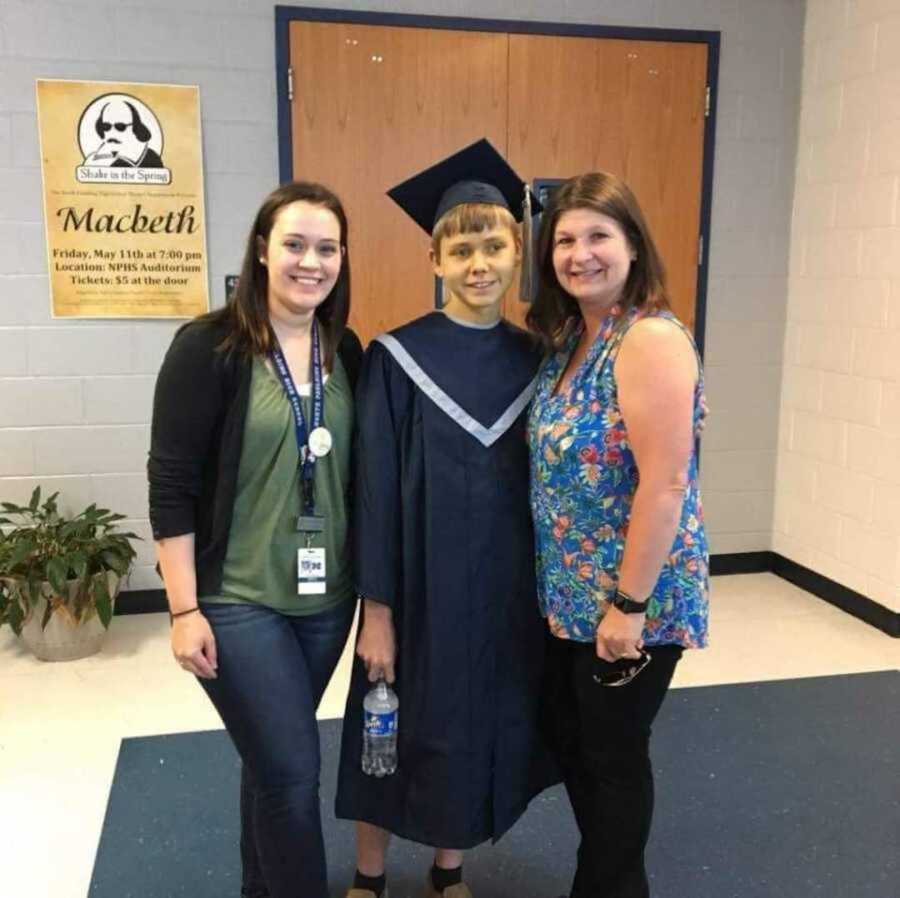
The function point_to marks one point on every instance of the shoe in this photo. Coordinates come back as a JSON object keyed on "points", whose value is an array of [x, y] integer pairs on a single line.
{"points": [[460, 890], [365, 893]]}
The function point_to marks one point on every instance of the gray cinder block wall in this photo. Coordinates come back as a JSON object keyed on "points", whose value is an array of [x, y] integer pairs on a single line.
{"points": [[837, 507], [75, 395]]}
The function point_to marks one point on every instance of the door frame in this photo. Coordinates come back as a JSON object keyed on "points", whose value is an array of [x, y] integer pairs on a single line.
{"points": [[284, 15]]}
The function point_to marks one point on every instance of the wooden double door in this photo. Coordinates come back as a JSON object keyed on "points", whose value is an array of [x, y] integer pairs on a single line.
{"points": [[375, 104]]}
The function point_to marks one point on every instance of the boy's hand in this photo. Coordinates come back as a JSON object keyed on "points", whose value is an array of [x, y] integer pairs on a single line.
{"points": [[376, 645]]}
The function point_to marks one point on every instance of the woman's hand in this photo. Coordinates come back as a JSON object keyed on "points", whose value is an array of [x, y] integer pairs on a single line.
{"points": [[194, 645], [620, 635], [376, 645]]}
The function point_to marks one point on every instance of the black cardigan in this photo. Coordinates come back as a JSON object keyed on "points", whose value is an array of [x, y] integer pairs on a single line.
{"points": [[199, 408]]}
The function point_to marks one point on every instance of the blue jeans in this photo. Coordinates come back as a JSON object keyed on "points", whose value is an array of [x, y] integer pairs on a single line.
{"points": [[272, 672]]}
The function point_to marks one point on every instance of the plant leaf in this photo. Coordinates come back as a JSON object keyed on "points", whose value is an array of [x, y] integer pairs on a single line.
{"points": [[79, 562], [119, 558], [15, 615], [19, 553], [102, 600], [35, 500], [69, 529], [57, 571]]}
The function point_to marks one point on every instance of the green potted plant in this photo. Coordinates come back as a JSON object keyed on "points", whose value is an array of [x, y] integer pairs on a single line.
{"points": [[59, 576]]}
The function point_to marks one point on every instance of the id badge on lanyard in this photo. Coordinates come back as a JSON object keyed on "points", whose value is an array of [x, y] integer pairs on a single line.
{"points": [[311, 571]]}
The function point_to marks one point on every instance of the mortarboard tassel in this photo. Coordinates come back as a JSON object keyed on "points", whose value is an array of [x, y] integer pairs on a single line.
{"points": [[526, 279]]}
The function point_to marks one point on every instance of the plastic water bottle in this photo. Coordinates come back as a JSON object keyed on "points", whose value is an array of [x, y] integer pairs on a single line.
{"points": [[380, 717]]}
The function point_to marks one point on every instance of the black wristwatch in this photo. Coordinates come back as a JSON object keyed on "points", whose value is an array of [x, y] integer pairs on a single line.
{"points": [[627, 604]]}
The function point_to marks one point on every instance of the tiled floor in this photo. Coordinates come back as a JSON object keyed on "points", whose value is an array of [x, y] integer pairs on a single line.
{"points": [[60, 724]]}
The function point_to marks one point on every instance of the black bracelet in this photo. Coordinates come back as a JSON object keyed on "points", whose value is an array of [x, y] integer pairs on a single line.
{"points": [[182, 613], [627, 603]]}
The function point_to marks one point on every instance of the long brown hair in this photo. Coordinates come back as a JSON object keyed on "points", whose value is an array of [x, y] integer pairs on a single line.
{"points": [[246, 315], [554, 313]]}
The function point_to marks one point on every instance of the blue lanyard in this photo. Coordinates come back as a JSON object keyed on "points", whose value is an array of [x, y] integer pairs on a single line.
{"points": [[307, 459]]}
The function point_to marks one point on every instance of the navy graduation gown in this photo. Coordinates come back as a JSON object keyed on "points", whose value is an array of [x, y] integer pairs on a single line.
{"points": [[442, 534]]}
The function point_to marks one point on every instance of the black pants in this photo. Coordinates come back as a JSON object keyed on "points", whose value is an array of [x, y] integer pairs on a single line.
{"points": [[602, 737]]}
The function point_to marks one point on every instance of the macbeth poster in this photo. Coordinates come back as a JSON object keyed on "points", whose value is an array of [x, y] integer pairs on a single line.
{"points": [[123, 199]]}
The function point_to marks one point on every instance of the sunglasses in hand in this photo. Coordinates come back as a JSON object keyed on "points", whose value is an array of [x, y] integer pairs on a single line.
{"points": [[621, 672]]}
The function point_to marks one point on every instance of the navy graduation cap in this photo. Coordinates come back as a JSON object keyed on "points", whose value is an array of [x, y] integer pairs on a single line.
{"points": [[476, 174]]}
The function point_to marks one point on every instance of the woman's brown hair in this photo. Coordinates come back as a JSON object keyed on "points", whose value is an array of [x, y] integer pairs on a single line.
{"points": [[246, 315], [554, 312]]}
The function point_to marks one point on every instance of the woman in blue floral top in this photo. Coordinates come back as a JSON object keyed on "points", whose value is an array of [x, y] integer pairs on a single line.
{"points": [[621, 548]]}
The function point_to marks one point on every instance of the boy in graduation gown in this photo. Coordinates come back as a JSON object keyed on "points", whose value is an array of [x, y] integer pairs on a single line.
{"points": [[443, 543]]}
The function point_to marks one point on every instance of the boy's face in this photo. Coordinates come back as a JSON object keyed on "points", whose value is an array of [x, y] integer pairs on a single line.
{"points": [[477, 267]]}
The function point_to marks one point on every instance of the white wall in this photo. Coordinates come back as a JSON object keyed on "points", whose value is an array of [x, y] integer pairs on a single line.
{"points": [[75, 396], [838, 486]]}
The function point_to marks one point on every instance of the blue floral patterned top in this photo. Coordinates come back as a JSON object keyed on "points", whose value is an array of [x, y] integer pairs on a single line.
{"points": [[583, 479]]}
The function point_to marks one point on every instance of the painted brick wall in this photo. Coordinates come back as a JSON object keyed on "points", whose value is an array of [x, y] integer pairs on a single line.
{"points": [[838, 484], [75, 396]]}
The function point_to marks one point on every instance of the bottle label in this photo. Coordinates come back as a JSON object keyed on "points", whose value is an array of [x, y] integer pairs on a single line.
{"points": [[380, 724]]}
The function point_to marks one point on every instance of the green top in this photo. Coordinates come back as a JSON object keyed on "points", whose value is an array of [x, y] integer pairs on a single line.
{"points": [[261, 559]]}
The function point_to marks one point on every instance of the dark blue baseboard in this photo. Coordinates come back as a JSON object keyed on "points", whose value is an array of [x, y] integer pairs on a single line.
{"points": [[144, 601], [741, 563]]}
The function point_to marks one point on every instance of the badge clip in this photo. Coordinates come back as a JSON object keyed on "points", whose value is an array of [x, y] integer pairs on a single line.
{"points": [[310, 523]]}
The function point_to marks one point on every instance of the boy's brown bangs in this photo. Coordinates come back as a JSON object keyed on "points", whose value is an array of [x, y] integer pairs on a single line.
{"points": [[468, 218]]}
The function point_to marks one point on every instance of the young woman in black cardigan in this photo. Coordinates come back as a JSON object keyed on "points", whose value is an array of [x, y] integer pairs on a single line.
{"points": [[249, 483]]}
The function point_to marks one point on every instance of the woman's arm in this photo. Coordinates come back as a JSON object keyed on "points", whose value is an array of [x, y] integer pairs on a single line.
{"points": [[656, 375], [193, 643], [186, 405]]}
